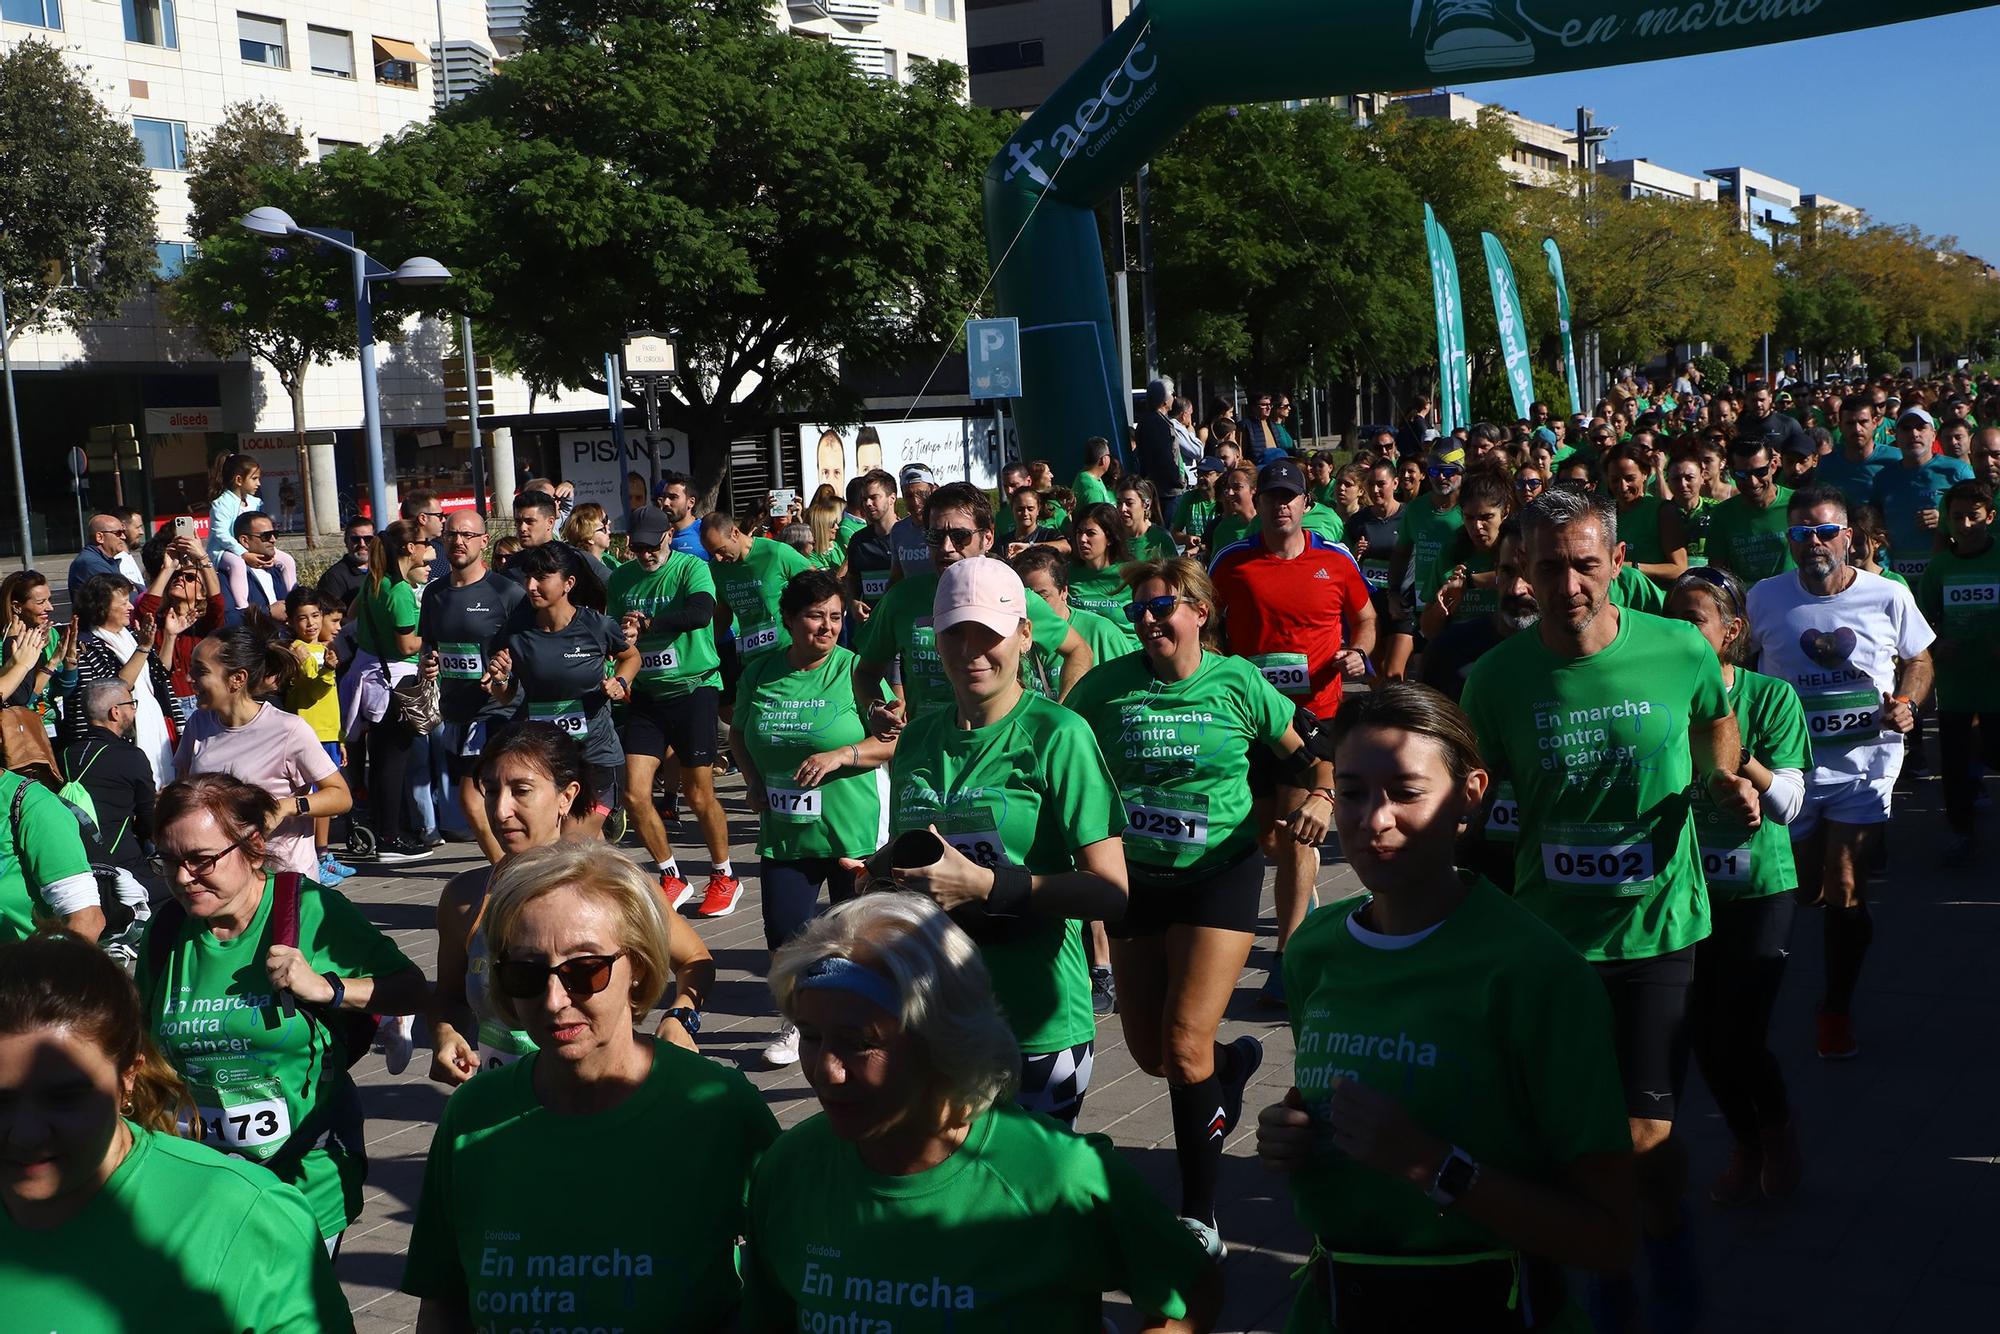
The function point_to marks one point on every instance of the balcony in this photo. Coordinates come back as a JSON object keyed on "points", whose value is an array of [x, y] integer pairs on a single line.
{"points": [[857, 12], [869, 55], [506, 18]]}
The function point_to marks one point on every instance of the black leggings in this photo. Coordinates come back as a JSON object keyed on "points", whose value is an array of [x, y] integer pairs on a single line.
{"points": [[389, 746], [791, 894], [1737, 973], [1964, 738]]}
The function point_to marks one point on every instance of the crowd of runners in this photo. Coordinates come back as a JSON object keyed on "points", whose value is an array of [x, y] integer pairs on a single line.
{"points": [[1593, 708]]}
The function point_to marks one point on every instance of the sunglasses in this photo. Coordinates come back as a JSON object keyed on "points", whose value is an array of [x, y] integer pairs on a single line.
{"points": [[1530, 483], [1158, 608], [1448, 470], [260, 536], [581, 977], [1751, 474], [958, 537], [641, 549], [1803, 533], [360, 539], [199, 863]]}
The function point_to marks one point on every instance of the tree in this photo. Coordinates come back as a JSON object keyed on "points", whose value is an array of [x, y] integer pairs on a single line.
{"points": [[76, 201], [682, 166], [279, 300], [1826, 319]]}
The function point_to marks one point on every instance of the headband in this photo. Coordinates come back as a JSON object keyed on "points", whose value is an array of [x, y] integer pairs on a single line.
{"points": [[834, 973]]}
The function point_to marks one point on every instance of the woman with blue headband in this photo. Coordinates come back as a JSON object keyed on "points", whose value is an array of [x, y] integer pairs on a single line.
{"points": [[921, 1197]]}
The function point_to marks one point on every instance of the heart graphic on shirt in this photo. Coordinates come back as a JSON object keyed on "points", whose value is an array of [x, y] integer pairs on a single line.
{"points": [[1828, 648]]}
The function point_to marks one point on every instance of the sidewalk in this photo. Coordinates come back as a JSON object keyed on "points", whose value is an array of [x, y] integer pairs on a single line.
{"points": [[1894, 1233]]}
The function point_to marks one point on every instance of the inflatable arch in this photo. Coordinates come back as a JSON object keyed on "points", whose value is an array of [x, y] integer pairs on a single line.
{"points": [[1171, 57]]}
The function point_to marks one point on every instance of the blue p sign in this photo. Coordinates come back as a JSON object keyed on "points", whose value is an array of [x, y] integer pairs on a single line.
{"points": [[993, 357]]}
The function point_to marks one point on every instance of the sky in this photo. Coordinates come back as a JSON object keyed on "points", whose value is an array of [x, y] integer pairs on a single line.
{"points": [[1893, 120]]}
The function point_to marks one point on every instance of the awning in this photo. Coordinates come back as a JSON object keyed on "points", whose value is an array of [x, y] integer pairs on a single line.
{"points": [[391, 48]]}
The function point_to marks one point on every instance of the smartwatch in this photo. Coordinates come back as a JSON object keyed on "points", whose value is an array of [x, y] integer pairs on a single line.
{"points": [[339, 991], [304, 806], [689, 1016], [1456, 1175]]}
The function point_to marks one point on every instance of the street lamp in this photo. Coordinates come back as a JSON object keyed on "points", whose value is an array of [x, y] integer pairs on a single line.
{"points": [[420, 271]]}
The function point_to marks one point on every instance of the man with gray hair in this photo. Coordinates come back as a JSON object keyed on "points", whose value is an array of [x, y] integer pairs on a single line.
{"points": [[1602, 718], [1158, 460], [118, 777]]}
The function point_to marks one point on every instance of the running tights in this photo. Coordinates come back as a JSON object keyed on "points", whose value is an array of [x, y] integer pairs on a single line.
{"points": [[1965, 740], [1849, 932], [1199, 1134], [1737, 972], [791, 894], [389, 745]]}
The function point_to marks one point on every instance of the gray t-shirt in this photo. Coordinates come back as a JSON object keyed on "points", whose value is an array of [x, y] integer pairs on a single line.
{"points": [[559, 678], [913, 553]]}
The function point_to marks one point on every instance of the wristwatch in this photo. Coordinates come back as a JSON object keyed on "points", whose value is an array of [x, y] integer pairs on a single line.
{"points": [[303, 806], [1456, 1175], [689, 1016], [339, 991]]}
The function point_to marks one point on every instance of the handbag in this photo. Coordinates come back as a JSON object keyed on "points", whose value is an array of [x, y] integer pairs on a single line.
{"points": [[413, 702]]}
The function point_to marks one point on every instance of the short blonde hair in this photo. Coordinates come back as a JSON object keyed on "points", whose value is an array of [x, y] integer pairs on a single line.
{"points": [[1186, 577], [947, 994], [596, 871]]}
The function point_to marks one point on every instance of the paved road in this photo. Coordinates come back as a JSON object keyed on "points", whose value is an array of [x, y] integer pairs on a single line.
{"points": [[1895, 1231]]}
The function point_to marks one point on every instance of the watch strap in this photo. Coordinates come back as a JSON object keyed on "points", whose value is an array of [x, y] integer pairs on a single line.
{"points": [[339, 986]]}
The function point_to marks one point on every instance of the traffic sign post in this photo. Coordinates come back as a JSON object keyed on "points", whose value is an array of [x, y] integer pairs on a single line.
{"points": [[648, 359], [993, 370]]}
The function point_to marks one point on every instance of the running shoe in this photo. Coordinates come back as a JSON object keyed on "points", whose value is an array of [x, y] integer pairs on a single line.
{"points": [[1103, 992], [339, 867], [1836, 1038], [401, 850], [394, 1033], [1249, 1054], [1784, 1166], [329, 873], [1209, 1236], [719, 899], [615, 825], [1738, 1182], [677, 890], [785, 1050], [1272, 997], [431, 838]]}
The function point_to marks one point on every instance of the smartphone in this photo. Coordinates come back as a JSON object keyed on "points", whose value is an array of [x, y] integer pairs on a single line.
{"points": [[184, 526], [782, 499]]}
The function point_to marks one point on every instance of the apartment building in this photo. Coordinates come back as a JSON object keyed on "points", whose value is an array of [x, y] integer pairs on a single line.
{"points": [[1541, 154], [1636, 177], [882, 36]]}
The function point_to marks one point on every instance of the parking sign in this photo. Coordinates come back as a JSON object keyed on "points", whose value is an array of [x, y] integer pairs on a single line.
{"points": [[993, 357]]}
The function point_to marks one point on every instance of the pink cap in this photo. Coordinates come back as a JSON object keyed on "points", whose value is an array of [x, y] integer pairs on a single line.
{"points": [[979, 589]]}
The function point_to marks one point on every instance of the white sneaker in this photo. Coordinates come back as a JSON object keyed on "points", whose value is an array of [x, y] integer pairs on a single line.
{"points": [[394, 1033], [1209, 1237], [785, 1051]]}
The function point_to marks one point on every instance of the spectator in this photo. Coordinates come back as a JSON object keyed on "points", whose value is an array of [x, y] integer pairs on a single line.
{"points": [[421, 507], [233, 483], [118, 777], [111, 644], [261, 576], [181, 582], [135, 538], [343, 578], [104, 545], [1158, 458]]}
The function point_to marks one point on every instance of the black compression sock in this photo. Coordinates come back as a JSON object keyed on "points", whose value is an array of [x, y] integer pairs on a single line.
{"points": [[1849, 932], [1198, 1136]]}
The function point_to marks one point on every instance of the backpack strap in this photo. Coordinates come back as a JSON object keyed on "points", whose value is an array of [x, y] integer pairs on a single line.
{"points": [[161, 935], [285, 909], [14, 811]]}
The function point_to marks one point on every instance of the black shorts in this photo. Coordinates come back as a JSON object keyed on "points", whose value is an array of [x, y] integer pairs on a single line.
{"points": [[732, 667], [462, 744], [1649, 1027], [1268, 773], [605, 784], [1227, 900], [687, 725]]}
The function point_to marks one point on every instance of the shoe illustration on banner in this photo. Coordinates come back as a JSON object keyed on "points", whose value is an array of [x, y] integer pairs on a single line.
{"points": [[1472, 34]]}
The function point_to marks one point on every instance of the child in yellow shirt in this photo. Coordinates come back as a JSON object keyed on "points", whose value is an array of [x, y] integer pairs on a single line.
{"points": [[314, 695]]}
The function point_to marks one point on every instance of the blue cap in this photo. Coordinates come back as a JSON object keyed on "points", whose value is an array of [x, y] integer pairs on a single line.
{"points": [[1210, 464]]}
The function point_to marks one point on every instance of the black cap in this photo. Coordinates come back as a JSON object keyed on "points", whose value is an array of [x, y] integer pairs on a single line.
{"points": [[649, 527], [1281, 475]]}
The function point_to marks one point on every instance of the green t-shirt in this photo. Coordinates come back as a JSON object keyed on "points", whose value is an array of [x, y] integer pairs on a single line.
{"points": [[1321, 519], [1749, 542], [1156, 543], [1696, 523], [670, 665], [1059, 1218], [1090, 489], [1104, 592], [1477, 599], [1229, 530], [1635, 590], [1740, 863], [498, 1220], [1193, 512], [1105, 639], [1597, 749], [787, 715], [260, 1076], [1029, 790], [1180, 751], [1429, 532], [850, 524], [180, 1240], [1489, 1032], [50, 850], [751, 587], [900, 627], [1960, 597], [1639, 530], [386, 610]]}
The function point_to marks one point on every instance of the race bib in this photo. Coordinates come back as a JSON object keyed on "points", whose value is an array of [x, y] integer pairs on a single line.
{"points": [[1376, 574], [760, 637], [1966, 597], [236, 1121], [1286, 671], [1911, 568], [498, 1046], [1843, 718], [658, 661], [1604, 858], [976, 835], [791, 803], [567, 714], [875, 586], [1177, 819], [460, 662], [1503, 819], [1730, 866]]}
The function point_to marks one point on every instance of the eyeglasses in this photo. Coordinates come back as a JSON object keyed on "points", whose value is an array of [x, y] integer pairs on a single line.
{"points": [[1158, 608], [1751, 474], [581, 977], [958, 537], [455, 536], [1803, 533], [197, 863], [430, 514]]}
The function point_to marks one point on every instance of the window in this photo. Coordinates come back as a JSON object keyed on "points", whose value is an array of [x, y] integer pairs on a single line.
{"points": [[946, 10], [170, 257], [328, 147], [1001, 56], [396, 62], [34, 13], [151, 23], [914, 6], [262, 41], [889, 64], [331, 52], [165, 142]]}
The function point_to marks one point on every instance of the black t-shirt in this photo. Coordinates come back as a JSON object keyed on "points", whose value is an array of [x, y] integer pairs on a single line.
{"points": [[559, 678], [342, 580], [1450, 656], [466, 626], [869, 558], [1777, 433]]}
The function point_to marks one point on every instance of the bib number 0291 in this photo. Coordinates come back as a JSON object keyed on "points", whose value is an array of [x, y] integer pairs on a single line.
{"points": [[1168, 826]]}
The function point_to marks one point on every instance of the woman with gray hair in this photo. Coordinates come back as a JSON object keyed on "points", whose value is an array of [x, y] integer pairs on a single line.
{"points": [[921, 1188]]}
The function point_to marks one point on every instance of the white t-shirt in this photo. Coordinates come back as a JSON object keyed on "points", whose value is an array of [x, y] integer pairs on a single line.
{"points": [[1840, 654]]}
